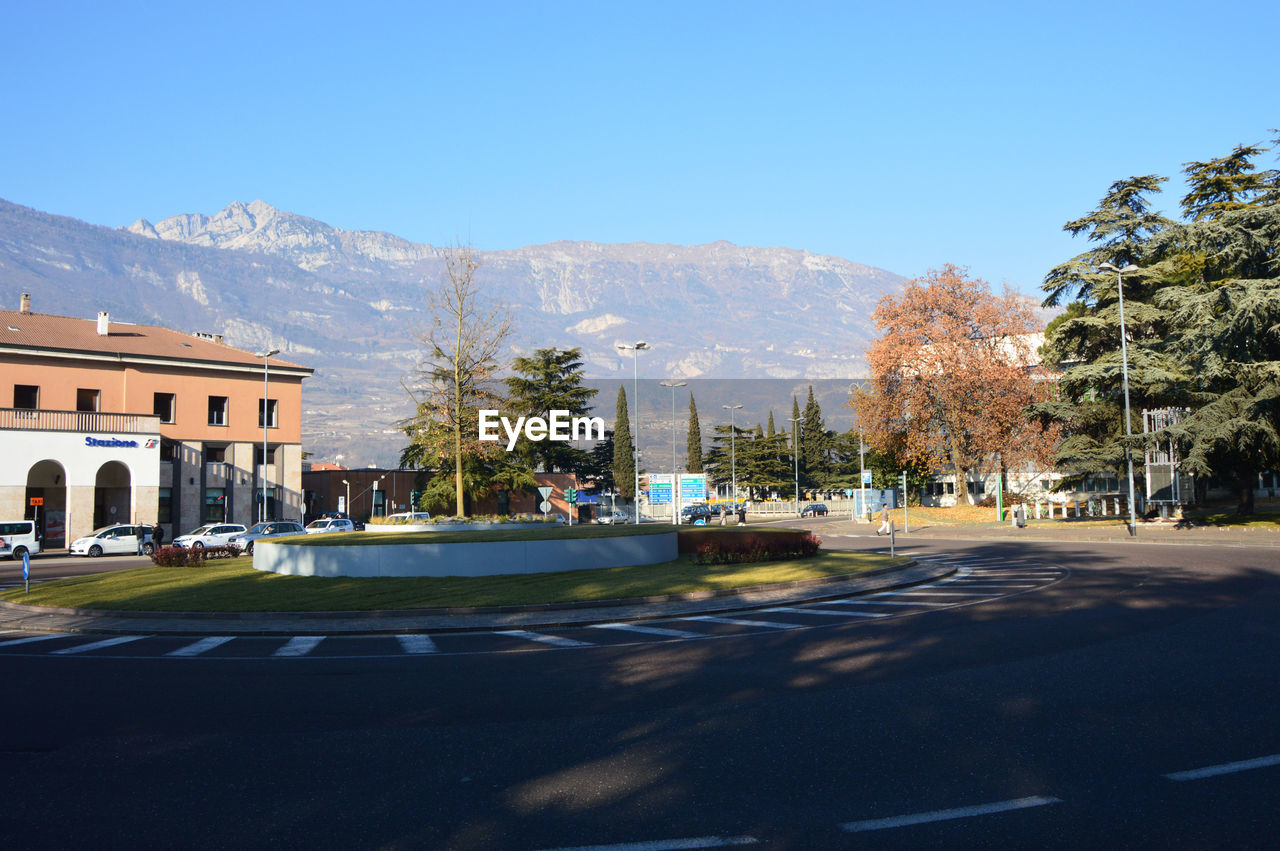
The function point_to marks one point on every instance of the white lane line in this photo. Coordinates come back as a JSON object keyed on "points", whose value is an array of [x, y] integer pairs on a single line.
{"points": [[30, 640], [97, 645], [946, 815], [648, 630], [1225, 768], [890, 603], [204, 645], [996, 585], [670, 844], [555, 640], [946, 594], [416, 644], [740, 622], [299, 645], [844, 614]]}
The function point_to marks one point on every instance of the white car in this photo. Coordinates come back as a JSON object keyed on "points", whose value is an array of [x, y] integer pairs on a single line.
{"points": [[17, 538], [613, 518], [120, 539], [330, 524], [409, 517], [273, 529], [209, 535]]}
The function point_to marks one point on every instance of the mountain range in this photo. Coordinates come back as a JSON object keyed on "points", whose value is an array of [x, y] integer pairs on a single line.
{"points": [[349, 302]]}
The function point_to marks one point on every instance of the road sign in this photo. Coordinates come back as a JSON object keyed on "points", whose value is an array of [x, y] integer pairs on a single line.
{"points": [[848, 492], [546, 506], [26, 572], [546, 492], [37, 500], [866, 477]]}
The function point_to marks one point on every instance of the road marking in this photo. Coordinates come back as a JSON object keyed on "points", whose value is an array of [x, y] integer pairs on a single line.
{"points": [[738, 622], [30, 640], [97, 645], [846, 614], [202, 646], [890, 603], [671, 844], [299, 645], [554, 640], [996, 585], [946, 815], [416, 644], [945, 594], [1225, 768], [651, 630]]}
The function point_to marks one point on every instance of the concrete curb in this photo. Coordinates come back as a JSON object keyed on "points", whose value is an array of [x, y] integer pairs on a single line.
{"points": [[49, 619]]}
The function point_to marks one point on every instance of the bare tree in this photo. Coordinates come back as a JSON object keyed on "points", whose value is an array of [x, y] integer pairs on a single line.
{"points": [[456, 376]]}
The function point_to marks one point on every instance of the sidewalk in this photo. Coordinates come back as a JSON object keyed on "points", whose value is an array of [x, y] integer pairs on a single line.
{"points": [[14, 616]]}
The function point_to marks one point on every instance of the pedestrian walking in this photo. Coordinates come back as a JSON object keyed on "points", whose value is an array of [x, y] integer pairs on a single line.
{"points": [[742, 514], [886, 527], [724, 516]]}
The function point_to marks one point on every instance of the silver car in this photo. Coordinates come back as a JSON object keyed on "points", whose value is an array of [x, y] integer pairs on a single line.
{"points": [[209, 535], [243, 543]]}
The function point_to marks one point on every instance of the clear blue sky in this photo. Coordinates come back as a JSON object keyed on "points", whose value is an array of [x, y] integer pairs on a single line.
{"points": [[902, 135]]}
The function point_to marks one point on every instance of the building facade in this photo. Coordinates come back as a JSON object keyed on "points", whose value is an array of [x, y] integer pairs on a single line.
{"points": [[104, 422]]}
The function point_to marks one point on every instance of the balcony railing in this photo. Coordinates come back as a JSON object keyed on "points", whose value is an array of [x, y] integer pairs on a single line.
{"points": [[87, 421]]}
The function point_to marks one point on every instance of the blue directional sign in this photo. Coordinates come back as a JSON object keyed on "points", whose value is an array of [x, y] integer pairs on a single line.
{"points": [[26, 566], [866, 477]]}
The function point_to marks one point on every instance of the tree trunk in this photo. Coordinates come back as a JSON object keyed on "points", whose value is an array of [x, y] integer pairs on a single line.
{"points": [[962, 477], [1248, 479]]}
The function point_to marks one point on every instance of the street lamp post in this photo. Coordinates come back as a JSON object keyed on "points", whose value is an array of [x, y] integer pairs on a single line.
{"points": [[733, 451], [635, 349], [795, 452], [675, 509], [266, 411], [1124, 370], [346, 506]]}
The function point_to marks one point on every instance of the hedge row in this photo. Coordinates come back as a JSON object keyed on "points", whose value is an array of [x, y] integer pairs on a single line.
{"points": [[735, 546], [172, 556]]}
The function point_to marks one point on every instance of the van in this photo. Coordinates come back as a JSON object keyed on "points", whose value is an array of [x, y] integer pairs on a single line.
{"points": [[17, 538]]}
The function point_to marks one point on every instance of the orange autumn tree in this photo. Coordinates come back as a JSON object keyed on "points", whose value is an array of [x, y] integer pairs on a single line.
{"points": [[950, 377]]}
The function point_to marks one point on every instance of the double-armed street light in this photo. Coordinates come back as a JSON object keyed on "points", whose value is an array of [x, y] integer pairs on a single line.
{"points": [[1124, 370], [795, 452], [635, 349], [675, 508], [266, 416]]}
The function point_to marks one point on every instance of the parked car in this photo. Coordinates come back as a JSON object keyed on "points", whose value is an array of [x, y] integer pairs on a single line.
{"points": [[358, 525], [19, 537], [274, 529], [691, 514], [209, 535], [119, 539], [613, 518], [408, 517], [330, 524], [815, 510]]}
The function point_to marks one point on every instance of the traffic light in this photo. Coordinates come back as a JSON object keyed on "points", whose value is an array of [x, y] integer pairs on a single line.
{"points": [[571, 495], [413, 500]]}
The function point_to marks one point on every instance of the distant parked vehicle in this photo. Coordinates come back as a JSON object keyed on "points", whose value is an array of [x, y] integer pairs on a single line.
{"points": [[815, 510], [691, 514], [209, 535], [17, 538], [358, 525], [613, 518], [408, 517], [118, 539], [331, 524], [276, 529]]}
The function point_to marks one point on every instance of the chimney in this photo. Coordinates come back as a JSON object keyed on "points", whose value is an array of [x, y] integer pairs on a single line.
{"points": [[104, 323], [25, 304]]}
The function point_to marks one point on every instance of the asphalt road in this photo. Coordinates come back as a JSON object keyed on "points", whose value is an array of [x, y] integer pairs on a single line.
{"points": [[1066, 717]]}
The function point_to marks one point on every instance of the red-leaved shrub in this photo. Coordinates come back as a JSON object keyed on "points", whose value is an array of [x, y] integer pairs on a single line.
{"points": [[172, 556], [734, 546]]}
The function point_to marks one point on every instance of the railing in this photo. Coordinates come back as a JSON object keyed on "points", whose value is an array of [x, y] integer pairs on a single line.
{"points": [[86, 421]]}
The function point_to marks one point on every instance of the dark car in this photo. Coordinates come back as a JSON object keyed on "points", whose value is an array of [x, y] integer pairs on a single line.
{"points": [[691, 514], [815, 510], [339, 515]]}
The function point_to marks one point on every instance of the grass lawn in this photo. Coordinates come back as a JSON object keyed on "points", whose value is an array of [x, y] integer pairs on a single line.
{"points": [[233, 585]]}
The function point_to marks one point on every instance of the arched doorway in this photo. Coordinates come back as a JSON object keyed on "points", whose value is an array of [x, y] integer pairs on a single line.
{"points": [[47, 488], [112, 495]]}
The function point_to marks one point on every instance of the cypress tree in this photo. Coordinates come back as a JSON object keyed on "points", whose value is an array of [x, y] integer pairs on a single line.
{"points": [[694, 449], [624, 466]]}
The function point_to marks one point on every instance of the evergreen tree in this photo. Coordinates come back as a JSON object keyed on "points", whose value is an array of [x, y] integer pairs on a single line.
{"points": [[772, 431], [550, 380], [813, 439], [624, 462], [694, 448]]}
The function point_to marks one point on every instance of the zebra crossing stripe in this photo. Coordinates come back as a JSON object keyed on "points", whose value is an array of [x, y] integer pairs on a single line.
{"points": [[202, 646], [30, 640], [846, 614], [739, 622], [648, 630], [97, 645], [299, 645], [895, 603], [416, 644], [554, 640]]}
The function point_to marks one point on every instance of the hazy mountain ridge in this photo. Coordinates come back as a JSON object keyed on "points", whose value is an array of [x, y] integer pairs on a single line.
{"points": [[347, 302]]}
